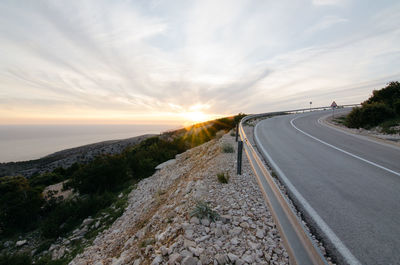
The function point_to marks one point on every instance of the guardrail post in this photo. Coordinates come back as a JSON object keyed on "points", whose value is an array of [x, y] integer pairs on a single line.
{"points": [[239, 157], [237, 131]]}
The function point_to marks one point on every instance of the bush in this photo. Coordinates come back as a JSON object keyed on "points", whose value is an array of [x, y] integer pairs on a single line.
{"points": [[46, 179], [68, 214], [387, 95], [383, 105], [19, 204], [104, 173], [219, 134], [389, 126], [223, 178], [143, 158], [203, 210], [227, 148], [369, 115], [396, 107], [46, 260], [17, 259]]}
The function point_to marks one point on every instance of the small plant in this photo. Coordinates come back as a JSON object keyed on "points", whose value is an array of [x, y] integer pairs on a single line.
{"points": [[223, 177], [203, 210], [160, 192], [233, 133], [219, 134], [146, 242], [227, 148], [340, 120]]}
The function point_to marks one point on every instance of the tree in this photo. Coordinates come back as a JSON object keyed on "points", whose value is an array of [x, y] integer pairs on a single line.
{"points": [[104, 173], [19, 204]]}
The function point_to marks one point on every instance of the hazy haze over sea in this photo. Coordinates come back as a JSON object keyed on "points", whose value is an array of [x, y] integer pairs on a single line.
{"points": [[26, 142]]}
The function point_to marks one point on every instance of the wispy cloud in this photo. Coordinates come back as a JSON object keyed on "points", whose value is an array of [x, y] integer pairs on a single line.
{"points": [[328, 2], [326, 22], [142, 60]]}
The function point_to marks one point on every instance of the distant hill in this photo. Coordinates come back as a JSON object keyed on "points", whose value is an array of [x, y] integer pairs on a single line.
{"points": [[198, 133], [67, 157]]}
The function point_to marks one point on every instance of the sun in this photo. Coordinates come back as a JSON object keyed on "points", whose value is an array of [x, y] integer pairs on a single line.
{"points": [[195, 116]]}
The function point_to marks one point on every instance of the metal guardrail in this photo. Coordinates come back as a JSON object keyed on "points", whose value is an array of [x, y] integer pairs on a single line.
{"points": [[297, 241]]}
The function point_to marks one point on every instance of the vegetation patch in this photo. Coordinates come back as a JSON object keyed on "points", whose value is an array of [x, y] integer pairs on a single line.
{"points": [[340, 120], [383, 106], [202, 210], [227, 148], [18, 259], [146, 242], [223, 177]]}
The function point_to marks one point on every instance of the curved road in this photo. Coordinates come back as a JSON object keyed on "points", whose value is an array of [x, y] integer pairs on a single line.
{"points": [[353, 184]]}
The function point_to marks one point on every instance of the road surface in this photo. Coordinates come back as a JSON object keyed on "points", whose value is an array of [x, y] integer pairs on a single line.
{"points": [[352, 184]]}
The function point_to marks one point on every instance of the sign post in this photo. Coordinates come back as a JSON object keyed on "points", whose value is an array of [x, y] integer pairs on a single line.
{"points": [[237, 131], [310, 105], [333, 106], [239, 157]]}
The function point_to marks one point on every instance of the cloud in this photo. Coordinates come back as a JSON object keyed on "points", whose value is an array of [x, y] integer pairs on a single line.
{"points": [[326, 22], [328, 2], [152, 58]]}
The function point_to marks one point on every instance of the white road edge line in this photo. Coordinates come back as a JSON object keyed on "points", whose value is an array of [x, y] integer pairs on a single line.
{"points": [[343, 151], [339, 245]]}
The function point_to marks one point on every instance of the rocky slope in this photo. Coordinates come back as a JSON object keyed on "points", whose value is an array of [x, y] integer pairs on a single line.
{"points": [[157, 226]]}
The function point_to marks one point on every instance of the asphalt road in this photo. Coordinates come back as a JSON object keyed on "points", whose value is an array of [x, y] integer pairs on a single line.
{"points": [[352, 184]]}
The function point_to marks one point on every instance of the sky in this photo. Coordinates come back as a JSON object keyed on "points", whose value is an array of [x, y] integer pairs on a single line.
{"points": [[153, 61]]}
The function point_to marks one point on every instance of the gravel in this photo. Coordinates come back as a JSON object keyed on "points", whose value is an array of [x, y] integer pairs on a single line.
{"points": [[157, 227]]}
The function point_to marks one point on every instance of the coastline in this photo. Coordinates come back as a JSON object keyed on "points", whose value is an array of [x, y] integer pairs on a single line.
{"points": [[31, 142], [67, 157]]}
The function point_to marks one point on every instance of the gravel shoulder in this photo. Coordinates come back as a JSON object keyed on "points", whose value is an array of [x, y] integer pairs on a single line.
{"points": [[290, 198], [157, 228], [373, 134]]}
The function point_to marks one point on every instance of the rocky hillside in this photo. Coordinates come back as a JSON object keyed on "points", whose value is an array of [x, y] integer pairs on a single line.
{"points": [[185, 214]]}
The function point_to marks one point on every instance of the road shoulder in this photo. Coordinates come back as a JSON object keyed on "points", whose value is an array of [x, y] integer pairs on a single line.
{"points": [[383, 139]]}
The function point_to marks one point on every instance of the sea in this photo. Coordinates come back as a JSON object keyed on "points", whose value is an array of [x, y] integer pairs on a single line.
{"points": [[27, 142]]}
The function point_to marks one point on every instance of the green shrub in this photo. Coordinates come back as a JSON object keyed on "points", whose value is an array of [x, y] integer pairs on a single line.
{"points": [[387, 95], [17, 259], [387, 126], [202, 210], [46, 260], [227, 148], [68, 214], [369, 115], [223, 178], [44, 245], [45, 179], [104, 173], [396, 107], [146, 242], [383, 105], [19, 204]]}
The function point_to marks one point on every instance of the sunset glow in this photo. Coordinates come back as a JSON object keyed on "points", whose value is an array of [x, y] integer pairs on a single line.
{"points": [[196, 116], [118, 61]]}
